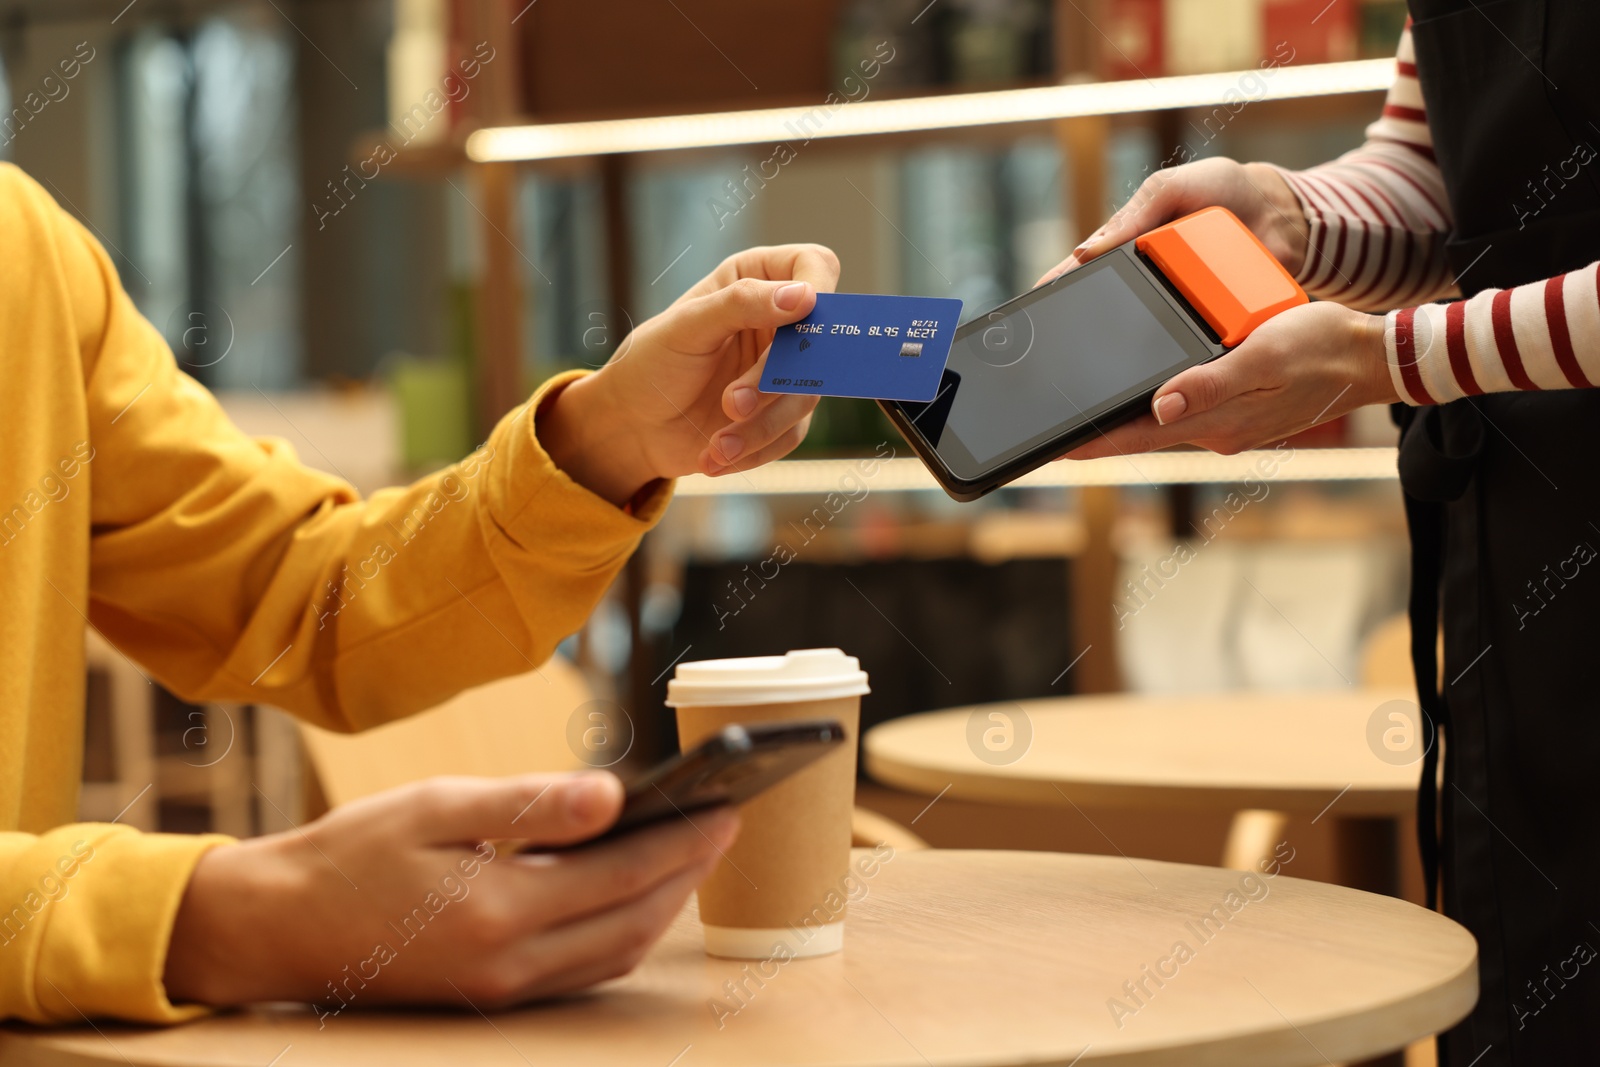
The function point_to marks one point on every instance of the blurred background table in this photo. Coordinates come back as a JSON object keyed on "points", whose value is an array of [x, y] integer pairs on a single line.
{"points": [[1309, 753], [973, 958]]}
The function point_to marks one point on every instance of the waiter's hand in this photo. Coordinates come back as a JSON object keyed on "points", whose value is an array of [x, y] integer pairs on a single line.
{"points": [[680, 394], [1302, 368], [1256, 193]]}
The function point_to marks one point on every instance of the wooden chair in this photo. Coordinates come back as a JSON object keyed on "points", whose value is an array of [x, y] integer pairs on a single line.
{"points": [[512, 726], [130, 790], [1386, 655], [1385, 663], [213, 766], [868, 829]]}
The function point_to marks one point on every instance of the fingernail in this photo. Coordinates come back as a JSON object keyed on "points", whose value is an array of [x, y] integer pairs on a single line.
{"points": [[744, 400], [585, 797], [789, 296], [1170, 408], [730, 445]]}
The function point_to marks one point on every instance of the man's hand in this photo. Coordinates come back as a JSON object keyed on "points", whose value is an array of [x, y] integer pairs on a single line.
{"points": [[680, 394], [1257, 194], [396, 898], [1299, 369]]}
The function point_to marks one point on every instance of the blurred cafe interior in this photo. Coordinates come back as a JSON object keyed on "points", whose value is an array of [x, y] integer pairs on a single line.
{"points": [[374, 262]]}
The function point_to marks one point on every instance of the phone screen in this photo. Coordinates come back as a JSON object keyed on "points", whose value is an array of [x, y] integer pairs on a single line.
{"points": [[1070, 351]]}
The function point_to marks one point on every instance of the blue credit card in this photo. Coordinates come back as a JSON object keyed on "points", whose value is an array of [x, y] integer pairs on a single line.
{"points": [[875, 347]]}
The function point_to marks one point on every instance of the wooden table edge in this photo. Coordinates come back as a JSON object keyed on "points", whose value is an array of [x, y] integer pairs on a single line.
{"points": [[20, 1044], [1327, 1037], [1324, 1040], [1018, 790]]}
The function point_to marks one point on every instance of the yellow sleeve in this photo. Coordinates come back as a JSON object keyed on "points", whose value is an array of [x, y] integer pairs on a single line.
{"points": [[231, 572], [88, 911]]}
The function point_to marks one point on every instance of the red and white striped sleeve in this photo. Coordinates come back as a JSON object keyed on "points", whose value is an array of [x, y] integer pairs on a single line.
{"points": [[1378, 215], [1544, 335], [1378, 219]]}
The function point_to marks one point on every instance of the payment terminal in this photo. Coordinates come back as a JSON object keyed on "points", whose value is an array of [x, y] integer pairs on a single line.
{"points": [[1047, 371]]}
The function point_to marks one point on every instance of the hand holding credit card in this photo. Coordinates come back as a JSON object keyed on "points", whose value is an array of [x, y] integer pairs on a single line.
{"points": [[872, 347]]}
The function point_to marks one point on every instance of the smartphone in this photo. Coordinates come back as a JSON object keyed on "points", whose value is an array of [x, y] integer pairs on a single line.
{"points": [[729, 767], [1063, 363]]}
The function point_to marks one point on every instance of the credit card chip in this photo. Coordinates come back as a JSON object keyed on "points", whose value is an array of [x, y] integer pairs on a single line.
{"points": [[911, 348]]}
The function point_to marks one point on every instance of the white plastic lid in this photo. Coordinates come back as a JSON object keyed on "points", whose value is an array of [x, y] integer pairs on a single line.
{"points": [[806, 674]]}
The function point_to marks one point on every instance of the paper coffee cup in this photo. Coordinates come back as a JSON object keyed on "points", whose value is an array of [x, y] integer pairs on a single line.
{"points": [[780, 890]]}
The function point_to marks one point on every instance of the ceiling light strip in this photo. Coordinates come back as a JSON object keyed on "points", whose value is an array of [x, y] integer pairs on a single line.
{"points": [[792, 124]]}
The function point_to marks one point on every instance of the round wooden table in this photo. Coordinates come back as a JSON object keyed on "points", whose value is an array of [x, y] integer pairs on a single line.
{"points": [[1323, 753], [951, 958], [1327, 752], [1294, 752]]}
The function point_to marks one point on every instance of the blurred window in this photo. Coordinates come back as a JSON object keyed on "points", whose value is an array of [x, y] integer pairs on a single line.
{"points": [[570, 321], [208, 180], [981, 225], [685, 220]]}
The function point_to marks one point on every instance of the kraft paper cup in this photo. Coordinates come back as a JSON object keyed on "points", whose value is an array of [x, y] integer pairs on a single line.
{"points": [[780, 891]]}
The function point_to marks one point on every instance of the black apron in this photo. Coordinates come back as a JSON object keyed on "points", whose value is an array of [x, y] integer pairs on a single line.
{"points": [[1503, 500]]}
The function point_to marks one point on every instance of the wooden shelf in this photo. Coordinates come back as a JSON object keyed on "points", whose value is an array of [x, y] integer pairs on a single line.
{"points": [[907, 474]]}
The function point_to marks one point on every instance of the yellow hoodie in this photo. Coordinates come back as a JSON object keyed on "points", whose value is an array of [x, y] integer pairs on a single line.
{"points": [[229, 572]]}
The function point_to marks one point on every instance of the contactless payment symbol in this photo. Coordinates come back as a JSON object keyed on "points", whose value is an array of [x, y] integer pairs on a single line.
{"points": [[805, 343]]}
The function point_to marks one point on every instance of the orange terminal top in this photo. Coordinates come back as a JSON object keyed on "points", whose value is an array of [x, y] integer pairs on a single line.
{"points": [[1223, 270]]}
